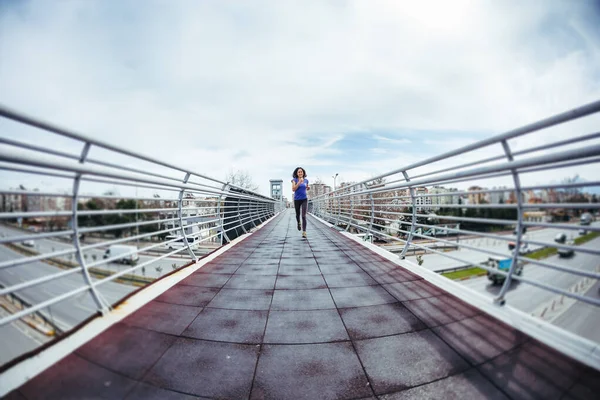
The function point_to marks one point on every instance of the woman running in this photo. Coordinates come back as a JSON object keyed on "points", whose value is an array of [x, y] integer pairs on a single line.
{"points": [[299, 187]]}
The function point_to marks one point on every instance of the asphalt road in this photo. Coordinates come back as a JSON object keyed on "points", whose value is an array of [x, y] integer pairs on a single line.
{"points": [[583, 318], [527, 297], [51, 245], [20, 337], [438, 262], [66, 313]]}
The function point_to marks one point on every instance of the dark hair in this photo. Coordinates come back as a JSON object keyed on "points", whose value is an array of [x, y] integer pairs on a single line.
{"points": [[295, 174]]}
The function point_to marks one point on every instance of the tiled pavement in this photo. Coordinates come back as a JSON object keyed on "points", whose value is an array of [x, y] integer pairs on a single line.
{"points": [[280, 317]]}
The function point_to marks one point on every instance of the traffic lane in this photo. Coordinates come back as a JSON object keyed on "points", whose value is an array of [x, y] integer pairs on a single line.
{"points": [[583, 318], [546, 235], [528, 297], [15, 340], [50, 246], [68, 312], [439, 262], [92, 255], [71, 311]]}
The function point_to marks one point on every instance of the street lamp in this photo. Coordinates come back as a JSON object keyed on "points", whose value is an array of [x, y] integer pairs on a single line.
{"points": [[334, 176]]}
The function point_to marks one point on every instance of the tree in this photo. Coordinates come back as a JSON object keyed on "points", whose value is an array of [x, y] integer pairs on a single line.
{"points": [[241, 179]]}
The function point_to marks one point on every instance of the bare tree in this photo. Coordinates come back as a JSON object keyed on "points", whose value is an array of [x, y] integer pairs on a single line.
{"points": [[241, 179]]}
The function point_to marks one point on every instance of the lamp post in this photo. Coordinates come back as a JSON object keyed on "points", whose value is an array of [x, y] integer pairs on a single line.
{"points": [[334, 176]]}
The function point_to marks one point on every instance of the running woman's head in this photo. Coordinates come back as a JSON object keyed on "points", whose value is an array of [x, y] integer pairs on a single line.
{"points": [[299, 172]]}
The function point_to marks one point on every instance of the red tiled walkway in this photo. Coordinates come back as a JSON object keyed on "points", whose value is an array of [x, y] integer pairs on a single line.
{"points": [[279, 317]]}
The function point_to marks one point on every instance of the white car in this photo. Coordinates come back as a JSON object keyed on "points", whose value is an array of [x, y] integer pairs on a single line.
{"points": [[129, 254], [180, 242], [523, 248]]}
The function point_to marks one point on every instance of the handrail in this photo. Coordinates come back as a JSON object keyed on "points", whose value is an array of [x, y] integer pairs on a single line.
{"points": [[407, 208], [167, 217]]}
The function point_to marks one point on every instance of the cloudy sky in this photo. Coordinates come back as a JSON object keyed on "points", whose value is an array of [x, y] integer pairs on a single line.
{"points": [[349, 87]]}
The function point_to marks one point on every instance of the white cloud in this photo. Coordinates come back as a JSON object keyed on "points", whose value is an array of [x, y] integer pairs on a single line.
{"points": [[212, 85], [391, 140]]}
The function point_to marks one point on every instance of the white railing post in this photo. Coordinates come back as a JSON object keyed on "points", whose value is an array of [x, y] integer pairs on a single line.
{"points": [[515, 174], [414, 216], [102, 305], [182, 228]]}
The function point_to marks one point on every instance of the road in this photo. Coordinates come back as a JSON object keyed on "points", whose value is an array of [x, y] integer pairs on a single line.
{"points": [[52, 245], [439, 263], [527, 297], [583, 318], [21, 337], [69, 312]]}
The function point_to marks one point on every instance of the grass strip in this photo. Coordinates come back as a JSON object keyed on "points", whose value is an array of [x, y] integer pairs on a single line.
{"points": [[465, 273], [586, 238]]}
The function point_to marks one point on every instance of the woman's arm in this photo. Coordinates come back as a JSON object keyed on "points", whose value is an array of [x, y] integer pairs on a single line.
{"points": [[295, 185]]}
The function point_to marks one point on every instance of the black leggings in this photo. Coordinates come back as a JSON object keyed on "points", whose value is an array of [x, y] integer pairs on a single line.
{"points": [[304, 205]]}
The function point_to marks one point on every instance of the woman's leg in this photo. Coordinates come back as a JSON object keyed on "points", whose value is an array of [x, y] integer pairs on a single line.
{"points": [[297, 204], [304, 208]]}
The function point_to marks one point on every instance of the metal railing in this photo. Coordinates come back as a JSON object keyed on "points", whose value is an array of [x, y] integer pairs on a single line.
{"points": [[520, 206], [82, 227]]}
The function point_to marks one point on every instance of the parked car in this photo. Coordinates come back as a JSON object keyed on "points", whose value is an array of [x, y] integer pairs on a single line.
{"points": [[28, 243], [124, 251], [561, 238], [502, 264]]}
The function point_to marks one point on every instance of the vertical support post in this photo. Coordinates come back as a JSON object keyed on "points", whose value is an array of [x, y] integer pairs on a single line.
{"points": [[239, 214], [339, 216], [330, 205], [102, 304], [251, 206], [180, 210], [414, 217], [372, 219], [515, 257], [339, 210], [222, 217], [351, 212]]}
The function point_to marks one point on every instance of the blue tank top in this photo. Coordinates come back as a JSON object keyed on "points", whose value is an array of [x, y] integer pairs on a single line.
{"points": [[300, 193]]}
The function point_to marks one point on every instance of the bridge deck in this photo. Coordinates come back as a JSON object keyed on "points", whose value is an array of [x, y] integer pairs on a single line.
{"points": [[279, 317]]}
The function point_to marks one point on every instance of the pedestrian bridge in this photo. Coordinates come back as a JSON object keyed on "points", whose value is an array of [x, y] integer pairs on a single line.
{"points": [[280, 317], [268, 314]]}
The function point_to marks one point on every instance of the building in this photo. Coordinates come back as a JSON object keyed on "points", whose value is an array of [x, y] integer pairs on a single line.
{"points": [[422, 201], [476, 196], [499, 195], [276, 189], [440, 200], [318, 189]]}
